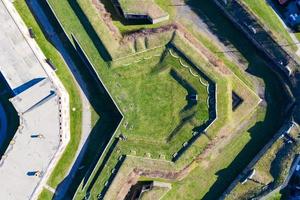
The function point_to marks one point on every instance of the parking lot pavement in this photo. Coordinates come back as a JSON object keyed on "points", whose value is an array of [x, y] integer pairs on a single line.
{"points": [[43, 107]]}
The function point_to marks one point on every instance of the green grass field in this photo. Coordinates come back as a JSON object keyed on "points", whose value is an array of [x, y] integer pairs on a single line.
{"points": [[276, 196], [136, 147], [140, 148], [143, 86], [159, 109]]}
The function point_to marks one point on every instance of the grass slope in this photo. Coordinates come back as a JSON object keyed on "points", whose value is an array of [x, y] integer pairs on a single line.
{"points": [[227, 155]]}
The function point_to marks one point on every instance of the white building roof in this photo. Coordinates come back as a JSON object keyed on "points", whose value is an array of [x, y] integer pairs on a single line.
{"points": [[39, 113]]}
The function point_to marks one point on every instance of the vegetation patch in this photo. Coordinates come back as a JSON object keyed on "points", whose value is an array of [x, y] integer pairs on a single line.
{"points": [[46, 194], [139, 147]]}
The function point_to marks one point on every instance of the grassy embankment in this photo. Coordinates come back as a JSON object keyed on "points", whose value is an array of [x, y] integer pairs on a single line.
{"points": [[271, 168], [84, 42], [198, 145], [46, 195]]}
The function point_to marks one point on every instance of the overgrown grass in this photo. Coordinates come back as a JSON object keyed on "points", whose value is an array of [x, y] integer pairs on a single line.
{"points": [[66, 78], [276, 196]]}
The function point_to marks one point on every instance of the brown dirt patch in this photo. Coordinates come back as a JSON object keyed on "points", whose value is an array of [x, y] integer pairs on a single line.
{"points": [[106, 17]]}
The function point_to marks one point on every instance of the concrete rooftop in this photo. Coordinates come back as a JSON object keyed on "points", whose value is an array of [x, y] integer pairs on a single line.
{"points": [[37, 102]]}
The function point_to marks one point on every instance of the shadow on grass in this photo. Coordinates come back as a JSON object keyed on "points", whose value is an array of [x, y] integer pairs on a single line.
{"points": [[102, 104], [275, 94], [187, 116], [103, 164], [101, 132], [181, 124], [278, 164], [90, 30]]}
